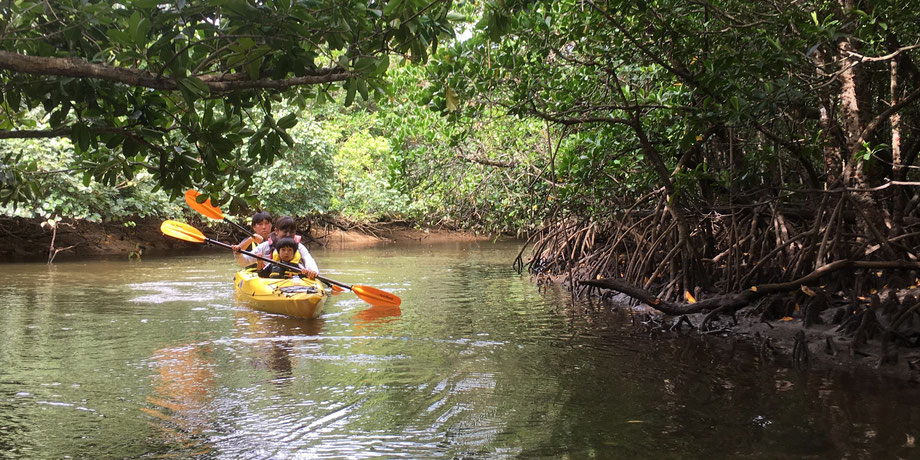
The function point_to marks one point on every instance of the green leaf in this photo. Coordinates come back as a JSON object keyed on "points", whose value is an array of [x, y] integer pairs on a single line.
{"points": [[57, 118], [253, 67], [391, 7], [362, 88], [382, 65], [365, 64], [118, 36], [288, 121], [140, 33], [146, 4], [195, 86], [81, 136], [350, 87]]}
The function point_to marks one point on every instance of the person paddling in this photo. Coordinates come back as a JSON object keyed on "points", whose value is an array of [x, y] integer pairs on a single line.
{"points": [[262, 229], [284, 227]]}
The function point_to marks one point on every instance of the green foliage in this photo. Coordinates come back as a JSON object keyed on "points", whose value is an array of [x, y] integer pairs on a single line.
{"points": [[185, 91], [300, 182], [363, 191], [56, 192], [472, 170]]}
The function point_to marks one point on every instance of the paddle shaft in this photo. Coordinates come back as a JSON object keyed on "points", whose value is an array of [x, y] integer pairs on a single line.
{"points": [[245, 230], [272, 261]]}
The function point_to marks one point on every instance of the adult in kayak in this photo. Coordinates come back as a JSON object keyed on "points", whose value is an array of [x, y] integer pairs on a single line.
{"points": [[284, 227], [262, 230]]}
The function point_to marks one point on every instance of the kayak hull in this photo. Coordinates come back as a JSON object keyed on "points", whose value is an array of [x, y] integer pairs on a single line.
{"points": [[298, 298]]}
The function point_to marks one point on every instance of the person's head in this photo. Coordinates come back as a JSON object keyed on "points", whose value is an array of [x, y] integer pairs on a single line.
{"points": [[262, 223], [287, 247], [285, 226]]}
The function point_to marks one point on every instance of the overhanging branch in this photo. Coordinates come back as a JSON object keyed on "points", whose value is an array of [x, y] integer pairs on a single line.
{"points": [[79, 68]]}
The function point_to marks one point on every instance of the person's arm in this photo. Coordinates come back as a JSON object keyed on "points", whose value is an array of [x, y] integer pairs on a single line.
{"points": [[241, 259], [308, 263], [259, 250]]}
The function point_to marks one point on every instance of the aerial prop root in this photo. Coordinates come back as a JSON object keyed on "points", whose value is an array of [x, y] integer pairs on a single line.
{"points": [[730, 303]]}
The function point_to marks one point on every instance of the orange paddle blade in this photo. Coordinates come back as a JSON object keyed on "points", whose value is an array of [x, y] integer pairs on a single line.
{"points": [[375, 296], [205, 208], [181, 231]]}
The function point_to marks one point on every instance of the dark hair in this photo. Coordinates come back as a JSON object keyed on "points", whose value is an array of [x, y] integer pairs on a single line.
{"points": [[261, 216], [286, 223], [286, 242]]}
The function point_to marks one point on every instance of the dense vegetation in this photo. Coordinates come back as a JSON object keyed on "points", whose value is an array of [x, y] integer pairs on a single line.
{"points": [[704, 148], [665, 149], [199, 93]]}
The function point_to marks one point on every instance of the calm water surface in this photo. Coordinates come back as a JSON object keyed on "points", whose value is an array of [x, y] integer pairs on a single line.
{"points": [[157, 359]]}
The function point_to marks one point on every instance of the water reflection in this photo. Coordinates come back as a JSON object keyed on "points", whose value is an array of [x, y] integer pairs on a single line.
{"points": [[375, 316], [270, 339], [183, 390], [476, 364]]}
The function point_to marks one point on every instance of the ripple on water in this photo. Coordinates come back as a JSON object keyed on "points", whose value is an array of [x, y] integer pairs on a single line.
{"points": [[179, 291]]}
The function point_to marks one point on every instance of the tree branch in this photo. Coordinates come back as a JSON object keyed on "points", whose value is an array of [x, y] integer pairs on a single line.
{"points": [[79, 68], [738, 300]]}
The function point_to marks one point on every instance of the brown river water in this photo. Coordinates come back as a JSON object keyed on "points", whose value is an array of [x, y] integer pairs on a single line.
{"points": [[153, 359]]}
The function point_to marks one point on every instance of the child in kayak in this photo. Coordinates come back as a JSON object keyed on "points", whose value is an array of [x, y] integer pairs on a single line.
{"points": [[286, 251], [262, 229], [285, 227]]}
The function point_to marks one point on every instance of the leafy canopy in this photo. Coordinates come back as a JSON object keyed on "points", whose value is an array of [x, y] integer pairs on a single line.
{"points": [[187, 91]]}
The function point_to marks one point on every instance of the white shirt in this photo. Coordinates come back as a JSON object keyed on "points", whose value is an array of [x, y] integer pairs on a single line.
{"points": [[264, 249]]}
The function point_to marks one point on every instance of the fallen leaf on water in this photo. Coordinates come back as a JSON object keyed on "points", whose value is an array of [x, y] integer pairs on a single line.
{"points": [[807, 291], [786, 318], [635, 421]]}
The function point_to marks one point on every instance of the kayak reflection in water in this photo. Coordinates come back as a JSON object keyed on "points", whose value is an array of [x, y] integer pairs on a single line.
{"points": [[182, 397]]}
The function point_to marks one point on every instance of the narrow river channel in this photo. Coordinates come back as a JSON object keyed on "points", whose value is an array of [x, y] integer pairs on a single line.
{"points": [[118, 359]]}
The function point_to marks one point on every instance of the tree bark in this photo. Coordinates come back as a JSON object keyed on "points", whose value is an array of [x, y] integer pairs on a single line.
{"points": [[78, 68]]}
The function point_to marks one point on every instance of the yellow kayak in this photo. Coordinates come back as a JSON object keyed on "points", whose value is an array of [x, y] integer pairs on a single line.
{"points": [[298, 297]]}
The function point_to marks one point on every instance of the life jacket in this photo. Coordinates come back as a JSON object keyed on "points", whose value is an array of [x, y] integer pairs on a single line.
{"points": [[279, 271], [252, 247], [271, 242]]}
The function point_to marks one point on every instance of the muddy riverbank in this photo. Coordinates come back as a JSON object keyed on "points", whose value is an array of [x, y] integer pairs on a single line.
{"points": [[789, 342], [27, 240]]}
